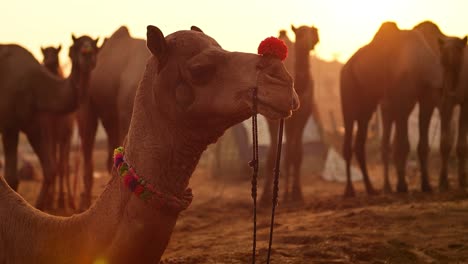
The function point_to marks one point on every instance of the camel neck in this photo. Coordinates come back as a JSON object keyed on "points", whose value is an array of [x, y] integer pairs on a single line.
{"points": [[57, 95], [302, 69], [165, 154]]}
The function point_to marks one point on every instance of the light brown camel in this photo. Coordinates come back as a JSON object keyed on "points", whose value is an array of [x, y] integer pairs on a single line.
{"points": [[29, 90], [394, 69], [112, 90], [191, 92], [60, 130], [450, 51], [306, 39]]}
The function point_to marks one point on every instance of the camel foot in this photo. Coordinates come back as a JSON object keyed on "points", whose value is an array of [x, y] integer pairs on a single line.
{"points": [[297, 196], [387, 188], [371, 191], [61, 201], [402, 187], [444, 185], [426, 187], [349, 191], [462, 181], [265, 199], [286, 196]]}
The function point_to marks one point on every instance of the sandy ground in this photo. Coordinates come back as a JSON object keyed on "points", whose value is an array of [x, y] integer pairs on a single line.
{"points": [[397, 228]]}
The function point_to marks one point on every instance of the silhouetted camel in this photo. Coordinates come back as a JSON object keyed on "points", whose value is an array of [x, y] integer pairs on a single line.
{"points": [[394, 69], [60, 130], [450, 51], [306, 39]]}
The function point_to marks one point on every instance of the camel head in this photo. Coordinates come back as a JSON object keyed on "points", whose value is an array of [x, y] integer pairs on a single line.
{"points": [[83, 53], [202, 85], [51, 57], [306, 37], [452, 52]]}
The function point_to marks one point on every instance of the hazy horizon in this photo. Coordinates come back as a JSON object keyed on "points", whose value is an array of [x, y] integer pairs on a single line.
{"points": [[343, 25]]}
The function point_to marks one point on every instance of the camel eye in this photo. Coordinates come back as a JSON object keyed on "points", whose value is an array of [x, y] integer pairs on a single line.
{"points": [[202, 74]]}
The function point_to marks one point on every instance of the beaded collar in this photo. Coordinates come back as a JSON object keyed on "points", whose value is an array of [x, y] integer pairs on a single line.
{"points": [[145, 190]]}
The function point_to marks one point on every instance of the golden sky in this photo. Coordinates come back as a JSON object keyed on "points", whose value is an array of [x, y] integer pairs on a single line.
{"points": [[344, 25]]}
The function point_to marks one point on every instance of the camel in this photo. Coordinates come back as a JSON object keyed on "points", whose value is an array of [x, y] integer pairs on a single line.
{"points": [[396, 70], [29, 90], [306, 39], [60, 130], [450, 51], [190, 93], [112, 89]]}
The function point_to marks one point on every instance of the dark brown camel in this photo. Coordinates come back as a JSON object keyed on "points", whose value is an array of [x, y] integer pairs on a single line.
{"points": [[112, 90], [450, 51], [60, 132], [396, 69], [29, 90], [306, 39]]}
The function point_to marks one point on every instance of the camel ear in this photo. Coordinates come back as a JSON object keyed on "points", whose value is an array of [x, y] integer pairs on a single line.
{"points": [[59, 48], [74, 38], [42, 50], [293, 28], [156, 43], [195, 28], [464, 40], [96, 41]]}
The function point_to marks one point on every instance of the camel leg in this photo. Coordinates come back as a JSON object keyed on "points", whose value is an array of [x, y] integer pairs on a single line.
{"points": [[425, 114], [10, 145], [67, 174], [287, 165], [402, 148], [296, 156], [360, 151], [42, 146], [113, 141], [348, 154], [87, 124], [446, 142], [64, 161], [266, 197], [318, 119], [385, 148], [461, 144], [296, 169], [61, 175]]}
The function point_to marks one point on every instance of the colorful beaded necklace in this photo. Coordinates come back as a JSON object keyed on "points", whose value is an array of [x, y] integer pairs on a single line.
{"points": [[145, 190]]}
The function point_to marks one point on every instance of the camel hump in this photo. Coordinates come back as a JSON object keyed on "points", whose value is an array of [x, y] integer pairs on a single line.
{"points": [[428, 27], [18, 51], [121, 32], [386, 31]]}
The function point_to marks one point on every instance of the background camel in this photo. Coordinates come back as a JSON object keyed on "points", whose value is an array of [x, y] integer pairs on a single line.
{"points": [[191, 92], [394, 69], [306, 39], [29, 90], [60, 130], [111, 93], [450, 53], [461, 81]]}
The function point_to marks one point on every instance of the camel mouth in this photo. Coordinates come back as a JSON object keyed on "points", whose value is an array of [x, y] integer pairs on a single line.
{"points": [[272, 112]]}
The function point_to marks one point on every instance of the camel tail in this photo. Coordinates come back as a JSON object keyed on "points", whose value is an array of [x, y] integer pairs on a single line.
{"points": [[347, 100], [77, 169]]}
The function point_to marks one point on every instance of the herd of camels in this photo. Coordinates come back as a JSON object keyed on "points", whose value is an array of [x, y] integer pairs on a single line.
{"points": [[167, 98]]}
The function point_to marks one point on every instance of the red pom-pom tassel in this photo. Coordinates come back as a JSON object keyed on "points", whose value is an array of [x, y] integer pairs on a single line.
{"points": [[274, 47]]}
